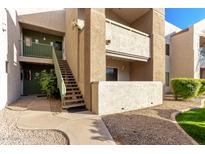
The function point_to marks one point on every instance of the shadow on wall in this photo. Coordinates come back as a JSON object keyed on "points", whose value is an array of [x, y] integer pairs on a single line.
{"points": [[50, 19], [13, 67]]}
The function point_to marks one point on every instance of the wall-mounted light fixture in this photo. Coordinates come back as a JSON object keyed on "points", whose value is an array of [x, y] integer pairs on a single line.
{"points": [[44, 38], [78, 23]]}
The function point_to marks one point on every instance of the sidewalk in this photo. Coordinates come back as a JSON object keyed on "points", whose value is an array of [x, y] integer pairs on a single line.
{"points": [[80, 127]]}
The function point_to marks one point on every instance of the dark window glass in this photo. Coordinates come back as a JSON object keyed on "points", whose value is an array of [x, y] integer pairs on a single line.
{"points": [[111, 74], [167, 49], [58, 45], [167, 78]]}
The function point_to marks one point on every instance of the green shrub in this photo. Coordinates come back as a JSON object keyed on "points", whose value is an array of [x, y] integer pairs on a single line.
{"points": [[48, 82], [202, 89], [185, 88]]}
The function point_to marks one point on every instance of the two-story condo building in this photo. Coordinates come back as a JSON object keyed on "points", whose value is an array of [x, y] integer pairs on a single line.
{"points": [[186, 51], [109, 60]]}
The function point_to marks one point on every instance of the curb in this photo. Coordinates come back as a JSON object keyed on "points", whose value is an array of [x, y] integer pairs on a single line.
{"points": [[174, 115]]}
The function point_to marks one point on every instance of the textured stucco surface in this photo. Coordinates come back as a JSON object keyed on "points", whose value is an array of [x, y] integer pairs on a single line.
{"points": [[122, 66], [95, 55], [114, 97], [150, 126], [152, 23], [182, 51], [169, 31], [126, 42], [48, 18], [10, 49]]}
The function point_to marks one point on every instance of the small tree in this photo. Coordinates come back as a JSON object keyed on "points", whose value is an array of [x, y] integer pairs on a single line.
{"points": [[48, 82]]}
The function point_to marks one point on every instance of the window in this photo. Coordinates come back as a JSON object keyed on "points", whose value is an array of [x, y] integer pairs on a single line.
{"points": [[28, 41], [111, 74], [167, 49], [167, 78]]}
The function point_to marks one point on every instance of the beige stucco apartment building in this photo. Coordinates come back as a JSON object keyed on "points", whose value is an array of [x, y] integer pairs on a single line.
{"points": [[110, 60], [186, 51]]}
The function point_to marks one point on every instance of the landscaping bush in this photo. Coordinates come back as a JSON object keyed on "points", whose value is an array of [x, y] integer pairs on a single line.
{"points": [[48, 82], [185, 88], [202, 89]]}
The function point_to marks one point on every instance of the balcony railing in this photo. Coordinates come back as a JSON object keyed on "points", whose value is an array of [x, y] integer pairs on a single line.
{"points": [[39, 50], [126, 41]]}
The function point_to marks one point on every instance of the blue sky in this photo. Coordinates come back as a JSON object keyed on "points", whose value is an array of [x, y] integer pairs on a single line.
{"points": [[184, 17]]}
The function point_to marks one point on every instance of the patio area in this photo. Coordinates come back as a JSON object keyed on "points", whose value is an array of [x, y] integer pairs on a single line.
{"points": [[36, 120]]}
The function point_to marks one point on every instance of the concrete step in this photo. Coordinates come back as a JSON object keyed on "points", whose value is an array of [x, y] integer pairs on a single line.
{"points": [[72, 105], [74, 95]]}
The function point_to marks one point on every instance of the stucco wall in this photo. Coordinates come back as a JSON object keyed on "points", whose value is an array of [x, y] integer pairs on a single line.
{"points": [[74, 45], [152, 23], [125, 42], [3, 57], [114, 97], [95, 54], [10, 49], [182, 54], [122, 66], [169, 31], [199, 30], [53, 19], [111, 15], [71, 40]]}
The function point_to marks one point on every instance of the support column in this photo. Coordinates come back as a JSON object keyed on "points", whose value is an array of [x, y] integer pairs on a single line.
{"points": [[95, 53]]}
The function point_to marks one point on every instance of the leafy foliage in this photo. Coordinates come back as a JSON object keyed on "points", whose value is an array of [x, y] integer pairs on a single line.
{"points": [[48, 82], [202, 88], [185, 88]]}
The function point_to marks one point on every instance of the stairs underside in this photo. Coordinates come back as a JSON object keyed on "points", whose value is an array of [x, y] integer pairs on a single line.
{"points": [[73, 97]]}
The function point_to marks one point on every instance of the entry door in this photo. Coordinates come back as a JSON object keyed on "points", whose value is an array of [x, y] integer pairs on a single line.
{"points": [[30, 84]]}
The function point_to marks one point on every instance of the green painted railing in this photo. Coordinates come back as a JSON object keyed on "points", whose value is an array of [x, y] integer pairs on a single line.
{"points": [[60, 81], [39, 50]]}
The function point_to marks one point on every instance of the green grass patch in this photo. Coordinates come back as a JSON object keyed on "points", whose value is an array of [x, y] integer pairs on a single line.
{"points": [[193, 122]]}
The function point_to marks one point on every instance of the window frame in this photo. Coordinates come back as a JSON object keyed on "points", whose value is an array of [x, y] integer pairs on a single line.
{"points": [[112, 67], [167, 49]]}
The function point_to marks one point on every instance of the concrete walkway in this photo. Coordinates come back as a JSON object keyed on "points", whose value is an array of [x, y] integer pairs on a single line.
{"points": [[80, 127]]}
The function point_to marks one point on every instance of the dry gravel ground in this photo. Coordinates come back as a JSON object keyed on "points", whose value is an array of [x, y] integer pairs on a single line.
{"points": [[150, 126], [10, 134]]}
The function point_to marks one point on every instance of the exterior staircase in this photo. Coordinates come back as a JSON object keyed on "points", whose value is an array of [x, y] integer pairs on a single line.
{"points": [[73, 97]]}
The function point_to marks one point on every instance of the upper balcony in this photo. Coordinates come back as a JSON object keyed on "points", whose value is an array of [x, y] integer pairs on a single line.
{"points": [[39, 50], [36, 47], [126, 42]]}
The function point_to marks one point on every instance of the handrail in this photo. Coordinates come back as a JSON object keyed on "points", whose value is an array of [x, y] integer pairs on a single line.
{"points": [[125, 27], [60, 81]]}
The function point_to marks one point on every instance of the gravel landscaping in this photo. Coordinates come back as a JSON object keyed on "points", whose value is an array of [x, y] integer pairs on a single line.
{"points": [[11, 135], [150, 126]]}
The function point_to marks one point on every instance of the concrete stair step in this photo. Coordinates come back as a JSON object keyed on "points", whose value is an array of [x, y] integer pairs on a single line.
{"points": [[72, 105]]}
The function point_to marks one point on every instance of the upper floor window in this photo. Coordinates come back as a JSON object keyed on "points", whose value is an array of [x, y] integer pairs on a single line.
{"points": [[167, 49], [167, 78]]}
